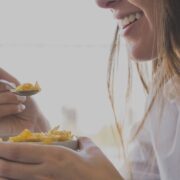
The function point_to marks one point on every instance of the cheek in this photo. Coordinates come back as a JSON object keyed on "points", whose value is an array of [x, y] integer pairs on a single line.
{"points": [[142, 42], [144, 48]]}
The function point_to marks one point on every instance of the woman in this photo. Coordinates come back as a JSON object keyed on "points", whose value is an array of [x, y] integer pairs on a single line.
{"points": [[151, 30]]}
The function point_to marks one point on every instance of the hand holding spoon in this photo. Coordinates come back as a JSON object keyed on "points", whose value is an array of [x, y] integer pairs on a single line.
{"points": [[26, 89]]}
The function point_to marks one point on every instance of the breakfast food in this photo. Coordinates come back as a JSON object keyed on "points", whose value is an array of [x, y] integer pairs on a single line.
{"points": [[51, 136], [28, 87]]}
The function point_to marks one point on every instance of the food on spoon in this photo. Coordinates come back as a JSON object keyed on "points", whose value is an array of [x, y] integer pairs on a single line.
{"points": [[28, 87], [49, 137]]}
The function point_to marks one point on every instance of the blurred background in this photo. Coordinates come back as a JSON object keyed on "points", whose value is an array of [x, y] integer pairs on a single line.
{"points": [[64, 45]]}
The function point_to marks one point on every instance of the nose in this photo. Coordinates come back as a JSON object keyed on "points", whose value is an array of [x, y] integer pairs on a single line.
{"points": [[107, 3]]}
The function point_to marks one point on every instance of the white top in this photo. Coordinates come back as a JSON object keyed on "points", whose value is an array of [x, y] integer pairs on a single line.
{"points": [[155, 154]]}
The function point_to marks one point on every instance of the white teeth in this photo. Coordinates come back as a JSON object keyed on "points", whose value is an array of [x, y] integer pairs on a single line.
{"points": [[130, 18], [125, 21], [138, 15]]}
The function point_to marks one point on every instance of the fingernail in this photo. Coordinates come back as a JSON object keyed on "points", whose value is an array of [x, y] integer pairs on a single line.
{"points": [[21, 98], [10, 85], [21, 107]]}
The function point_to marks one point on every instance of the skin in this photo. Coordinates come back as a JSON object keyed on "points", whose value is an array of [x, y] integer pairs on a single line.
{"points": [[33, 162], [13, 118], [52, 162], [141, 39]]}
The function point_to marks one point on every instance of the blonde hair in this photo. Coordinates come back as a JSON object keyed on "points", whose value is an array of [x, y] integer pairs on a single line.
{"points": [[164, 67]]}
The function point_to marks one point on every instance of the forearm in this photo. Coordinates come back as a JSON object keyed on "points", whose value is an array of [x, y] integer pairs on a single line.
{"points": [[115, 175]]}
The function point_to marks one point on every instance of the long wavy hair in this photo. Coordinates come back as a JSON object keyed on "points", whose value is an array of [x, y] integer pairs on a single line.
{"points": [[164, 67]]}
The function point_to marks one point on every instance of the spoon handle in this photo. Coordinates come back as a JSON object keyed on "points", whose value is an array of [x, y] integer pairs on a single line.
{"points": [[10, 84]]}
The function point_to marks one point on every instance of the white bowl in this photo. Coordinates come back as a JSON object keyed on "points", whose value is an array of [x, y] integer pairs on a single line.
{"points": [[72, 144]]}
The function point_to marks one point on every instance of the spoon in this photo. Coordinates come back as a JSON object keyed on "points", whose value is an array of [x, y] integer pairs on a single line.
{"points": [[12, 88], [24, 93]]}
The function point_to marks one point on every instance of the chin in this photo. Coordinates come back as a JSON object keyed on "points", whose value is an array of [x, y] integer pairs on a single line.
{"points": [[141, 57], [141, 54]]}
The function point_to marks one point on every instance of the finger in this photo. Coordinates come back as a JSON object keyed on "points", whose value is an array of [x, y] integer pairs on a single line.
{"points": [[6, 85], [14, 170], [23, 152], [88, 148], [9, 109], [10, 98], [1, 178], [6, 76], [85, 143]]}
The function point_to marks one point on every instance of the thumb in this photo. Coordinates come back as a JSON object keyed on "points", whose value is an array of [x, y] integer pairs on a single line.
{"points": [[85, 143]]}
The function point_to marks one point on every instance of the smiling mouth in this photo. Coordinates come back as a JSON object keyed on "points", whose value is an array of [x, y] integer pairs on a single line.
{"points": [[129, 19]]}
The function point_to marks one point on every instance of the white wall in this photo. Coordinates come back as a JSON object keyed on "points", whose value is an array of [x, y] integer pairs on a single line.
{"points": [[63, 45]]}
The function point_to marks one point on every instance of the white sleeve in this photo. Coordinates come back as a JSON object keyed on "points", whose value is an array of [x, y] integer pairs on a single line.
{"points": [[167, 148], [142, 159], [165, 132], [155, 154]]}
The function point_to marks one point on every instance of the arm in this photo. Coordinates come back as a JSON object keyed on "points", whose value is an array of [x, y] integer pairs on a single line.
{"points": [[53, 162], [17, 112]]}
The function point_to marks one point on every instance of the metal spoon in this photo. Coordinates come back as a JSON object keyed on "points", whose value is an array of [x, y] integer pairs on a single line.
{"points": [[12, 88], [24, 93]]}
